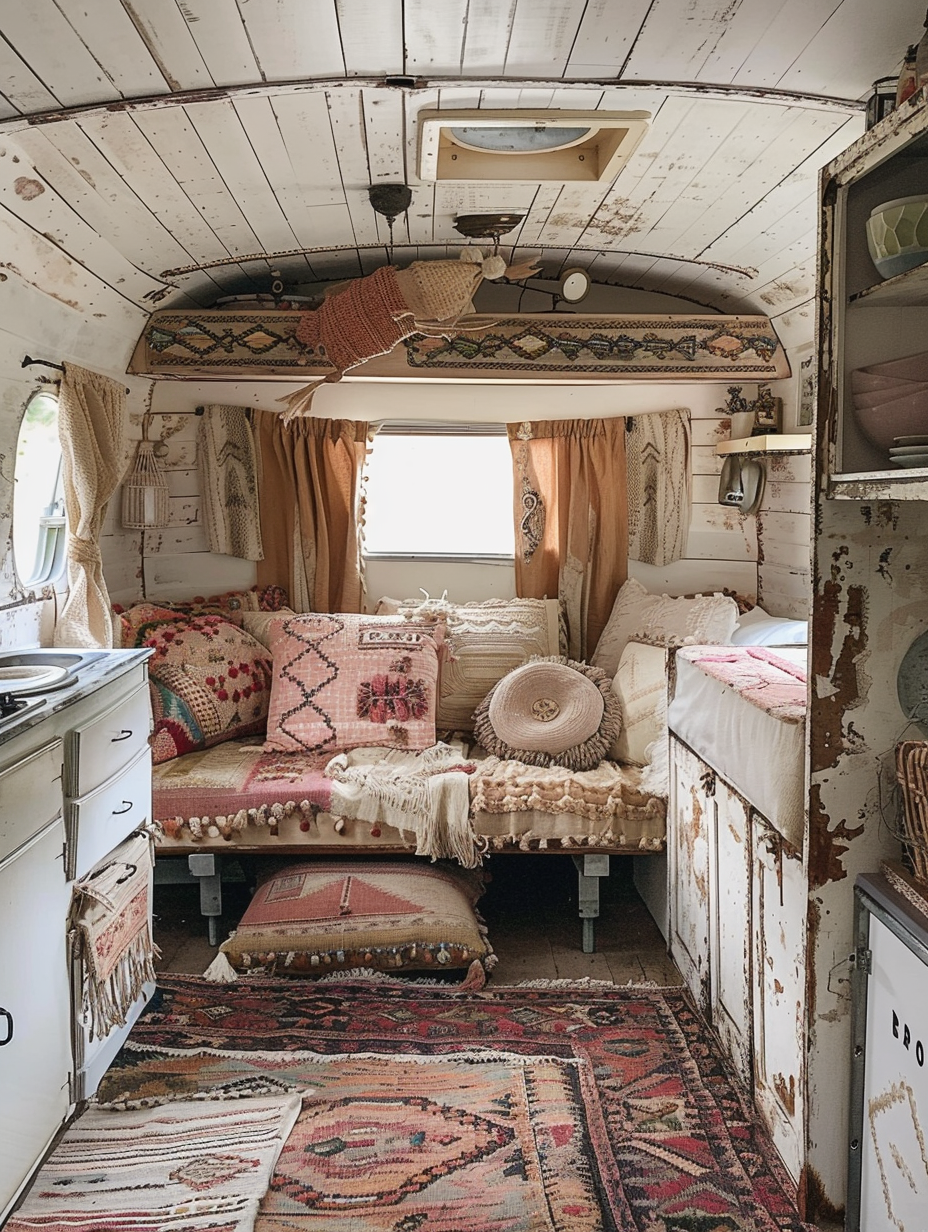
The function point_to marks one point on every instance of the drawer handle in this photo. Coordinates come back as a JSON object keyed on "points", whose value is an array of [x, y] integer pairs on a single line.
{"points": [[123, 735], [128, 808], [9, 1026]]}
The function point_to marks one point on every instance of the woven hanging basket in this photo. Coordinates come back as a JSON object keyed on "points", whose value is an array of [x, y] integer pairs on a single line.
{"points": [[145, 491]]}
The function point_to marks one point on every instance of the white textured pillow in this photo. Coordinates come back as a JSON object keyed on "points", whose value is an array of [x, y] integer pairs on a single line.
{"points": [[661, 620], [641, 686], [759, 628], [262, 624]]}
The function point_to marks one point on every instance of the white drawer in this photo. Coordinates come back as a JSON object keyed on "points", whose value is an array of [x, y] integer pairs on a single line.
{"points": [[106, 743], [98, 822], [30, 796]]}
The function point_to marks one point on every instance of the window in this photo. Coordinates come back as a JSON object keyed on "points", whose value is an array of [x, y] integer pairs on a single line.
{"points": [[39, 528], [440, 490]]}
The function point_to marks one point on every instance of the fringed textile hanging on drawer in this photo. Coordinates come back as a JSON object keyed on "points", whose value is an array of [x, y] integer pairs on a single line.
{"points": [[110, 929]]}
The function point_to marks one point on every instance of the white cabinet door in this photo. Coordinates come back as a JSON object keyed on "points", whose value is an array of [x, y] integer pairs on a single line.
{"points": [[779, 913], [689, 816], [35, 1009], [730, 926]]}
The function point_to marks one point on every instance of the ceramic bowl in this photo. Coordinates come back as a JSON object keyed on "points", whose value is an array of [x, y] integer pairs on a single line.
{"points": [[865, 382], [897, 235], [890, 394], [900, 417], [910, 368]]}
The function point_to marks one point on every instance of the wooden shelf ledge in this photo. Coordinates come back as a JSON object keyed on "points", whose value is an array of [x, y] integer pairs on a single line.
{"points": [[795, 442]]}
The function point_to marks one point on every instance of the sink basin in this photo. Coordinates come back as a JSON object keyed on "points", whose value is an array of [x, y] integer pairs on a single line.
{"points": [[37, 671]]}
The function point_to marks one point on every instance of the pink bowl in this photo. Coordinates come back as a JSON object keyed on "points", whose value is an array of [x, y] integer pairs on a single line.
{"points": [[912, 368], [864, 382], [881, 396], [901, 417]]}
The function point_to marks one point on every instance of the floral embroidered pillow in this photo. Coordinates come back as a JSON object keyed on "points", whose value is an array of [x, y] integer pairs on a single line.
{"points": [[209, 680], [345, 681]]}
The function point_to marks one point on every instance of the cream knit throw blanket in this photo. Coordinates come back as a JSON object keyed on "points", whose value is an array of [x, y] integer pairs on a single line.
{"points": [[425, 793], [658, 450], [228, 463]]}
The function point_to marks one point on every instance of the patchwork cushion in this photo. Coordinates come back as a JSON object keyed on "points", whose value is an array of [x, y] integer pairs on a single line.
{"points": [[309, 919], [487, 640], [209, 680], [641, 687], [344, 681], [663, 620], [550, 712]]}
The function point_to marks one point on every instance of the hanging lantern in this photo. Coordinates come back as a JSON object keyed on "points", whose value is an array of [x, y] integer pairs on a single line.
{"points": [[145, 490]]}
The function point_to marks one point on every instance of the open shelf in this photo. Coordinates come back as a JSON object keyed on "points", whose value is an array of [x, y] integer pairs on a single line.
{"points": [[788, 442], [908, 290]]}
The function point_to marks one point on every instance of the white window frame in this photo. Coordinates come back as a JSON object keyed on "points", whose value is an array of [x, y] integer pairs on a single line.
{"points": [[419, 427], [50, 561]]}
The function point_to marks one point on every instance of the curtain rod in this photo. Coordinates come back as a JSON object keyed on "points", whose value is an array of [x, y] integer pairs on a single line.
{"points": [[29, 362]]}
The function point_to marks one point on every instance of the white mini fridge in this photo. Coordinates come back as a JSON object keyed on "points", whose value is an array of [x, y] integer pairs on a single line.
{"points": [[888, 1148]]}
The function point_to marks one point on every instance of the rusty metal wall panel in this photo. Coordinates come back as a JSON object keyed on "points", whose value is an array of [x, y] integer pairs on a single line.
{"points": [[779, 940], [732, 975], [688, 819]]}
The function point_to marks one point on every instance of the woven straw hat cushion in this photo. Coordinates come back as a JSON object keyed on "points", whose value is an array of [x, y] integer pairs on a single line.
{"points": [[550, 712]]}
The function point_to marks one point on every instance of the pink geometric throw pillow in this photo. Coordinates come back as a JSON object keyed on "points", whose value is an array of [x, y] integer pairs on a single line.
{"points": [[344, 681]]}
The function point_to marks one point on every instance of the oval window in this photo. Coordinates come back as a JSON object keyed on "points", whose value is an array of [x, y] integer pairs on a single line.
{"points": [[39, 527]]}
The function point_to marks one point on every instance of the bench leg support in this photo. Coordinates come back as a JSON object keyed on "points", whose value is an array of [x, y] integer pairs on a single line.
{"points": [[589, 870]]}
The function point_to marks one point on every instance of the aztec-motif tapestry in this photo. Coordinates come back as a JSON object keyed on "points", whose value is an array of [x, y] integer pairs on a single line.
{"points": [[572, 1109], [542, 346]]}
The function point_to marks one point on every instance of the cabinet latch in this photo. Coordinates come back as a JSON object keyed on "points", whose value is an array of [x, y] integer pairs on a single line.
{"points": [[862, 960]]}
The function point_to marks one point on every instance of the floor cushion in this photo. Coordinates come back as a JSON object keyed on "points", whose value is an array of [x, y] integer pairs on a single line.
{"points": [[313, 918]]}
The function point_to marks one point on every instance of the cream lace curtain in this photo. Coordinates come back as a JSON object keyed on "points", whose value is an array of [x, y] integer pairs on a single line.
{"points": [[311, 509], [659, 503], [92, 429], [571, 519]]}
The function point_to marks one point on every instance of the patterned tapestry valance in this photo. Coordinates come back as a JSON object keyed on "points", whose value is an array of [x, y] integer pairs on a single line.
{"points": [[537, 347]]}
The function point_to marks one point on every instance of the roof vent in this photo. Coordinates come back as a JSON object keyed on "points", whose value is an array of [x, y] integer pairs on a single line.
{"points": [[534, 146]]}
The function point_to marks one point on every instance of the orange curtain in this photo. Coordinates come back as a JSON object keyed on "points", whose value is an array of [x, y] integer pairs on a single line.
{"points": [[571, 518], [311, 509]]}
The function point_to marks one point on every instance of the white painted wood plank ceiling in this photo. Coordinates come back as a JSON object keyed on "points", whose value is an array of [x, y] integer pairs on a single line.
{"points": [[161, 152]]}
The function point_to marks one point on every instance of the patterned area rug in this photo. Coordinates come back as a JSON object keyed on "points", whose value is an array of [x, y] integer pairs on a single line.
{"points": [[563, 1109]]}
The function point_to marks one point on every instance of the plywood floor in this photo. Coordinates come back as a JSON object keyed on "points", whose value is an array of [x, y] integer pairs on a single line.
{"points": [[530, 908]]}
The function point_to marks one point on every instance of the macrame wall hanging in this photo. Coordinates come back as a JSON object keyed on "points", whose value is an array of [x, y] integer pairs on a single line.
{"points": [[369, 316]]}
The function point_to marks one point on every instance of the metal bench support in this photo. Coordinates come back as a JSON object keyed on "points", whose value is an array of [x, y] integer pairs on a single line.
{"points": [[205, 867], [589, 870]]}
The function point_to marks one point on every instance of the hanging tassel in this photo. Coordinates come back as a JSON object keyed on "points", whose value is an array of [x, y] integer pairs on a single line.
{"points": [[220, 970]]}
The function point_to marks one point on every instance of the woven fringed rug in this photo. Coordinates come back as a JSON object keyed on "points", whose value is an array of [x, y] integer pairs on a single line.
{"points": [[187, 1166], [565, 1109]]}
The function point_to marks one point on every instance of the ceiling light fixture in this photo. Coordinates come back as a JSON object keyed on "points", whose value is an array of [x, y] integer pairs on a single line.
{"points": [[486, 226], [390, 200], [575, 285]]}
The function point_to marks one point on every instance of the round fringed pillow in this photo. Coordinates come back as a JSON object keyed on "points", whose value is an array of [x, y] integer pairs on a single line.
{"points": [[550, 712]]}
